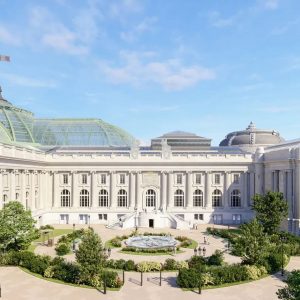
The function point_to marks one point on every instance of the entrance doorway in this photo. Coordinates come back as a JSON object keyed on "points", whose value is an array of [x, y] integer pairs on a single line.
{"points": [[151, 223]]}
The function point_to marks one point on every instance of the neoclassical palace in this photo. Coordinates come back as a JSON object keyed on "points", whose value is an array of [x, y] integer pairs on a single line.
{"points": [[86, 171]]}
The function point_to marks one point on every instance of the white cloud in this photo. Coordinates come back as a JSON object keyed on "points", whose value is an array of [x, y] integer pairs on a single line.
{"points": [[28, 81], [141, 68], [153, 108], [118, 8], [271, 4], [216, 20], [146, 25], [9, 38]]}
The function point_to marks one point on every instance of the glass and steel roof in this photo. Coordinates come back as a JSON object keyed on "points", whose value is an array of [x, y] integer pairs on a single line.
{"points": [[79, 132], [19, 126]]}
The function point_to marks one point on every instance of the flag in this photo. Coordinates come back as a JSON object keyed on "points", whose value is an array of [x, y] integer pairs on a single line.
{"points": [[4, 58]]}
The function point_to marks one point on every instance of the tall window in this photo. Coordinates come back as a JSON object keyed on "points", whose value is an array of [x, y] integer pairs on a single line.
{"points": [[179, 198], [4, 199], [65, 178], [103, 179], [103, 198], [122, 178], [17, 196], [235, 200], [217, 198], [65, 198], [217, 178], [84, 198], [198, 179], [122, 198], [198, 198], [179, 179], [236, 178], [84, 178], [150, 198]]}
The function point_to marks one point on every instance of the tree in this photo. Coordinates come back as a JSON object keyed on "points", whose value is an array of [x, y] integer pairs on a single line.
{"points": [[17, 229], [270, 210], [90, 257], [292, 290], [252, 243]]}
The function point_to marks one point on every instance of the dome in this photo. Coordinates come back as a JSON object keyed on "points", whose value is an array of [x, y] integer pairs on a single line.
{"points": [[80, 132], [16, 123], [252, 136]]}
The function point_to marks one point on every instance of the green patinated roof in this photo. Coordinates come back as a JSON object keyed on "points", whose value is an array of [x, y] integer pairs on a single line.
{"points": [[19, 126]]}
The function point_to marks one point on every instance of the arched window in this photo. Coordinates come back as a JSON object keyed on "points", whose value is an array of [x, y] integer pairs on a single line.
{"points": [[198, 198], [103, 198], [17, 196], [217, 198], [65, 198], [179, 198], [150, 198], [122, 198], [235, 200], [84, 198], [4, 199]]}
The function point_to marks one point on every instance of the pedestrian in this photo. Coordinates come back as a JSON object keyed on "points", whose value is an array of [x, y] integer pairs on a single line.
{"points": [[204, 240], [199, 251], [204, 251]]}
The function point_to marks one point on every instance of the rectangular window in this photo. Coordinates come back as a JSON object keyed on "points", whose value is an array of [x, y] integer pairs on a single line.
{"points": [[84, 178], [236, 178], [105, 217], [217, 178], [195, 216], [65, 178], [198, 217], [122, 178], [198, 179], [100, 216], [103, 179], [179, 179], [201, 217]]}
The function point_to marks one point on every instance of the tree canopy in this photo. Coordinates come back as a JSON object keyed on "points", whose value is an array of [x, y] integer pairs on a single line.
{"points": [[270, 210], [252, 243], [292, 290], [17, 228]]}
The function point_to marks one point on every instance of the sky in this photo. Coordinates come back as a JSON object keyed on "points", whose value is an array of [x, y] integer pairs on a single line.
{"points": [[154, 66]]}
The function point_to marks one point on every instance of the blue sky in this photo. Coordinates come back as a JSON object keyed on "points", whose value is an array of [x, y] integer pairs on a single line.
{"points": [[153, 66]]}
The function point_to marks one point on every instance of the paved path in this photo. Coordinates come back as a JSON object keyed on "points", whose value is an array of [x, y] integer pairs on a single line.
{"points": [[18, 285], [197, 235]]}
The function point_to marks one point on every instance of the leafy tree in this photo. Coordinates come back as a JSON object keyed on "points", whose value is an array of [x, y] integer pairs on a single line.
{"points": [[252, 243], [17, 228], [90, 257], [292, 290], [270, 210]]}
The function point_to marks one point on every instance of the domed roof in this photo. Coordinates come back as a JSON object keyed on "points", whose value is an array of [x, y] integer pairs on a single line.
{"points": [[252, 136], [178, 133], [18, 125]]}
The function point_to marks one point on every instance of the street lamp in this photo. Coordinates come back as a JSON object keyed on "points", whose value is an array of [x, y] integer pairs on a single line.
{"points": [[73, 238], [282, 239], [204, 251]]}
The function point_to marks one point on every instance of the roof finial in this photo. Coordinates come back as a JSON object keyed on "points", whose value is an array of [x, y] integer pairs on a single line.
{"points": [[251, 126]]}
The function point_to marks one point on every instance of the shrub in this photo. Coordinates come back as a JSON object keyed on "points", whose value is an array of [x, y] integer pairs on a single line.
{"points": [[196, 262], [34, 263], [46, 227], [120, 264], [170, 264], [186, 243], [62, 249], [66, 271], [112, 279], [181, 238], [274, 261], [10, 258], [148, 266], [216, 259], [116, 242], [181, 265], [188, 278], [129, 265], [49, 272], [253, 272]]}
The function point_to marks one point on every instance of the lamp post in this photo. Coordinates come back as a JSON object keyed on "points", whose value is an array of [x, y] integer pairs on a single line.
{"points": [[73, 238], [195, 251], [89, 220], [282, 239], [204, 251], [160, 270]]}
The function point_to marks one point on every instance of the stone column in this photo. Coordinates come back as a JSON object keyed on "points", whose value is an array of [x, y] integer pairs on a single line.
{"points": [[55, 187], [132, 190], [75, 196], [94, 197], [12, 189], [189, 192], [226, 192], [252, 187], [32, 190], [138, 196], [245, 190], [113, 196], [208, 200], [296, 206], [170, 190], [163, 191]]}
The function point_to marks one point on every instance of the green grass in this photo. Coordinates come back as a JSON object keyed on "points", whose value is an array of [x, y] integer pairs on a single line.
{"points": [[32, 247], [150, 254], [54, 233], [108, 244], [63, 282], [192, 246]]}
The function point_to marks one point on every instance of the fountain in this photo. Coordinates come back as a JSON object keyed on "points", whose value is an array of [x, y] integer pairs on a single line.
{"points": [[151, 242]]}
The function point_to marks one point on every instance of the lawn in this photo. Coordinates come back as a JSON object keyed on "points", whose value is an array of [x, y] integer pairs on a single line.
{"points": [[54, 233]]}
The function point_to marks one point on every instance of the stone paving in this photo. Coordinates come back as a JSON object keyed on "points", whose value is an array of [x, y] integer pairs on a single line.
{"points": [[18, 285]]}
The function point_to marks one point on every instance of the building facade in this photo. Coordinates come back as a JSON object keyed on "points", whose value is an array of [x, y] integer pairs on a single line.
{"points": [[86, 171]]}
